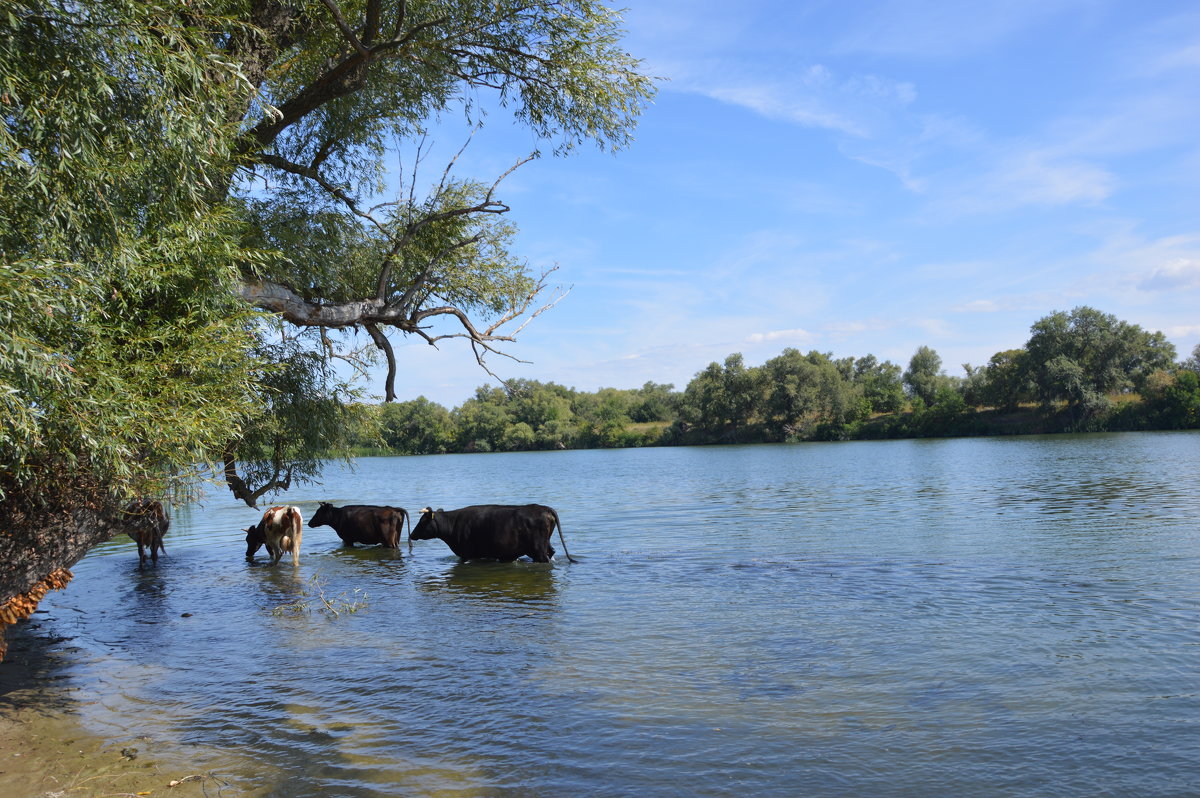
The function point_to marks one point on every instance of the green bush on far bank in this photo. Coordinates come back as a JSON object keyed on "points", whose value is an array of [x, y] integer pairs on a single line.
{"points": [[1082, 371]]}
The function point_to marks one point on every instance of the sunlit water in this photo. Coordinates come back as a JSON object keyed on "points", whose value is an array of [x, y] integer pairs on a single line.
{"points": [[1014, 616]]}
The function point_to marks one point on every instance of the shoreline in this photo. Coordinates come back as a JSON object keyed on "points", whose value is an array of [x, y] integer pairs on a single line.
{"points": [[46, 750]]}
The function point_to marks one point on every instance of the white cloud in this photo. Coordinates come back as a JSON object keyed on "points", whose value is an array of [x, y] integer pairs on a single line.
{"points": [[858, 105], [1036, 178], [1175, 274], [797, 335], [979, 306], [935, 327]]}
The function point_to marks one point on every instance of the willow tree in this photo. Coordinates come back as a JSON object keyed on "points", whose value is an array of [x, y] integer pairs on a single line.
{"points": [[198, 219], [336, 88], [125, 344]]}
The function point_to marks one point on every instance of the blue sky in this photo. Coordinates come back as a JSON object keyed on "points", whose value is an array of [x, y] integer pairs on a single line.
{"points": [[859, 178]]}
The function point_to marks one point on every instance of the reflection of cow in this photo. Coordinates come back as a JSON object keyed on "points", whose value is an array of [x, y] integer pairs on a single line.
{"points": [[368, 524], [147, 522], [494, 531], [279, 530]]}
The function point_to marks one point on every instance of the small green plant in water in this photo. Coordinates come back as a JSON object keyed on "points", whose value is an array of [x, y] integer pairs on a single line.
{"points": [[313, 595]]}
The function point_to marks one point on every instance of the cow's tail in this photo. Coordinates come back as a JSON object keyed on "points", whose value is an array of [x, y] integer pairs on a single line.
{"points": [[297, 531], [404, 514], [561, 540]]}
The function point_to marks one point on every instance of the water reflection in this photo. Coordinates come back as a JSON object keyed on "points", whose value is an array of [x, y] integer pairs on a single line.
{"points": [[496, 583]]}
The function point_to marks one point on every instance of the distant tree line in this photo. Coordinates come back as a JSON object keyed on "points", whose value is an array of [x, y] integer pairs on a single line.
{"points": [[1081, 370]]}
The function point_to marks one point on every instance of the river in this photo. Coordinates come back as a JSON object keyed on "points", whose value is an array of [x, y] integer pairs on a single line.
{"points": [[976, 617]]}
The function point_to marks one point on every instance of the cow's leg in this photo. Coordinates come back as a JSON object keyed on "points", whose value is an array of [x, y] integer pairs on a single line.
{"points": [[542, 552], [141, 552]]}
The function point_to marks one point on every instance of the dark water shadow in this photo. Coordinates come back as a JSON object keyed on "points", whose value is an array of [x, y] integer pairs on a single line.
{"points": [[367, 553], [522, 583], [34, 669]]}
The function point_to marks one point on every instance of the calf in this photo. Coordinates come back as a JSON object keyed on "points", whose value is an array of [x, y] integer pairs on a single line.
{"points": [[147, 522], [494, 531]]}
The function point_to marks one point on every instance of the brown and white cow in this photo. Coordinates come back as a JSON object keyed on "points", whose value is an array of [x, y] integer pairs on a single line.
{"points": [[279, 530]]}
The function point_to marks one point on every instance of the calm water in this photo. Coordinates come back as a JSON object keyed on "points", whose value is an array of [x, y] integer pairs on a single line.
{"points": [[1016, 617]]}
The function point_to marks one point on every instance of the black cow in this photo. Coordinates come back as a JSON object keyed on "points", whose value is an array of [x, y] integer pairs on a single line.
{"points": [[494, 531], [363, 523]]}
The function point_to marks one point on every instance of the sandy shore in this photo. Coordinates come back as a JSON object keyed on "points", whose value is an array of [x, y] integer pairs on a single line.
{"points": [[46, 751]]}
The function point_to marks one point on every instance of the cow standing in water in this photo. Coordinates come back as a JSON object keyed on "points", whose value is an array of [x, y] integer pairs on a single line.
{"points": [[368, 524], [494, 531], [148, 522], [279, 530]]}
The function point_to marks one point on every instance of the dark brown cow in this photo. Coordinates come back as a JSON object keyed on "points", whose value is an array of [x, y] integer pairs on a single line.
{"points": [[368, 524], [494, 531], [148, 521]]}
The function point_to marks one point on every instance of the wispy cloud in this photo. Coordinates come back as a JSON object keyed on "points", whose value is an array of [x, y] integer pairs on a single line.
{"points": [[1038, 178], [797, 335], [945, 29], [1177, 273], [814, 96]]}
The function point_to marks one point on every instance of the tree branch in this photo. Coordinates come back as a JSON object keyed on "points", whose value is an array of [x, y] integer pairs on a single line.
{"points": [[336, 13], [381, 341]]}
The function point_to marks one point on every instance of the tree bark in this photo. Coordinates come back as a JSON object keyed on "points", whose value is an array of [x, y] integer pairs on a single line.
{"points": [[37, 551]]}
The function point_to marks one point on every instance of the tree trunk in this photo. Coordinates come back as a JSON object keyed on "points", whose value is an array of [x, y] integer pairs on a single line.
{"points": [[37, 551]]}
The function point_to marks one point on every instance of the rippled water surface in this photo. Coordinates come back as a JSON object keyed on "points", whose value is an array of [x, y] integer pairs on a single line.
{"points": [[1016, 616]]}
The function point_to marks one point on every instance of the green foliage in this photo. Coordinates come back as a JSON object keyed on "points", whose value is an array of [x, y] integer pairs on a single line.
{"points": [[1008, 380], [1174, 399], [125, 350], [418, 426], [336, 93], [721, 399], [921, 376], [1082, 356], [802, 392], [881, 384], [793, 396], [306, 420], [1193, 362]]}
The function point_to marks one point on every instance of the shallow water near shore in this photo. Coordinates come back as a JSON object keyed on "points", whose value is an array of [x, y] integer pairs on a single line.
{"points": [[1016, 616]]}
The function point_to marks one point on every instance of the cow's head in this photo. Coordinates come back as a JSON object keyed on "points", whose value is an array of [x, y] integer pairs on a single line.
{"points": [[255, 540], [428, 527], [323, 515]]}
